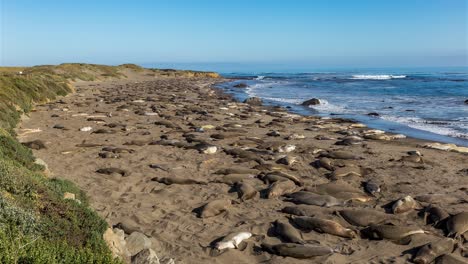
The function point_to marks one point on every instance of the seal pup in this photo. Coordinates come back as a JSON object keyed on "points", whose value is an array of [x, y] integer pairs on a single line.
{"points": [[434, 215], [340, 154], [287, 232], [280, 188], [457, 224], [309, 198], [323, 226], [112, 170], [429, 252], [325, 163], [287, 176], [176, 180], [372, 187], [214, 208], [297, 250], [137, 142]]}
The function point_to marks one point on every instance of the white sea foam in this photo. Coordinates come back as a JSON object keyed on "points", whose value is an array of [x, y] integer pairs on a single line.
{"points": [[260, 77], [377, 77], [327, 107], [422, 124]]}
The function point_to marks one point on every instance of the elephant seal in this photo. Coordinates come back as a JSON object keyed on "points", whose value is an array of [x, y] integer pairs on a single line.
{"points": [[404, 205], [137, 142], [363, 217], [118, 150], [232, 240], [390, 232], [287, 232], [112, 170], [341, 190], [323, 226], [429, 252], [302, 197], [176, 180], [434, 215], [325, 163], [245, 191], [35, 144], [236, 171], [303, 210], [231, 179], [214, 208], [280, 188], [457, 224], [340, 154], [297, 250]]}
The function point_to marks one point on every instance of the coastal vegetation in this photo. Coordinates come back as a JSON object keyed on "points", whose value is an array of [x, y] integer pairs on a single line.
{"points": [[37, 225]]}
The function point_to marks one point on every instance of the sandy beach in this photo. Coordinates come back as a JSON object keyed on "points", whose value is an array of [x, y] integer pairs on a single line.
{"points": [[152, 152]]}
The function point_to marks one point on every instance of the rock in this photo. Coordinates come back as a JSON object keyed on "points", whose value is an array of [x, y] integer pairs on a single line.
{"points": [[68, 195], [116, 243], [42, 163], [146, 256], [136, 242], [240, 85], [313, 101], [373, 114], [253, 101], [466, 101], [35, 144], [167, 261]]}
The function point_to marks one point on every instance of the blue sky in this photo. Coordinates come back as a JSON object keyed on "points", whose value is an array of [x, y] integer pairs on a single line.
{"points": [[320, 33]]}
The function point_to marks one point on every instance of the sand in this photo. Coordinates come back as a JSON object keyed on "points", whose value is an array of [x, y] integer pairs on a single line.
{"points": [[167, 213]]}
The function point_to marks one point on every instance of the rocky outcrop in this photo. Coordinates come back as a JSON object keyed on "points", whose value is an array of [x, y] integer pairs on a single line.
{"points": [[137, 242], [240, 85], [116, 242], [313, 101], [253, 101], [146, 256]]}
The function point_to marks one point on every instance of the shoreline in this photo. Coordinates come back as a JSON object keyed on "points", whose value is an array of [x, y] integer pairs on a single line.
{"points": [[164, 212]]}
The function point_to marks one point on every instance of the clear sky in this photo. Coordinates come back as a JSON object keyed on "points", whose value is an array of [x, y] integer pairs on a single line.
{"points": [[318, 33]]}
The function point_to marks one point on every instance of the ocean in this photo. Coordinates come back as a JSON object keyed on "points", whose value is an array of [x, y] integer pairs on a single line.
{"points": [[421, 103]]}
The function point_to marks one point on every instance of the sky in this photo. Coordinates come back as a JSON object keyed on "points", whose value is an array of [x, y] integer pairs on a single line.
{"points": [[319, 33]]}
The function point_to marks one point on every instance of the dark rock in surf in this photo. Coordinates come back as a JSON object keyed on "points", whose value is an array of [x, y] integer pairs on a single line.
{"points": [[253, 101], [240, 85], [313, 101]]}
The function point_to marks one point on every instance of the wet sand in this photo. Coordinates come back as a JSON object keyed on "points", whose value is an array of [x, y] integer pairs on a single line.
{"points": [[167, 127]]}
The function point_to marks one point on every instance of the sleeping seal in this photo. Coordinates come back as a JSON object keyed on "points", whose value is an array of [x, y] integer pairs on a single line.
{"points": [[214, 208], [112, 170], [176, 180], [457, 225], [391, 232], [323, 226], [297, 250], [287, 232], [429, 252], [280, 188], [302, 197], [362, 216], [245, 191]]}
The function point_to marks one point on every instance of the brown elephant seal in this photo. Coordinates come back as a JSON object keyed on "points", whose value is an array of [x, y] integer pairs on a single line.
{"points": [[226, 171], [449, 259], [112, 170], [340, 190], [457, 224], [323, 226], [118, 150], [346, 171], [280, 188], [434, 215], [309, 198], [245, 191], [287, 232], [214, 208], [429, 252], [297, 251], [137, 142], [363, 217], [326, 163], [176, 180], [390, 232]]}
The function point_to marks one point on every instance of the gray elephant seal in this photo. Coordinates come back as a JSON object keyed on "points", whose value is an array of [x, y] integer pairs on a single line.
{"points": [[323, 226], [297, 250], [313, 199], [287, 232], [35, 144]]}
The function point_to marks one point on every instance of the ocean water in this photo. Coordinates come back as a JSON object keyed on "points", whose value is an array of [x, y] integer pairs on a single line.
{"points": [[421, 103]]}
